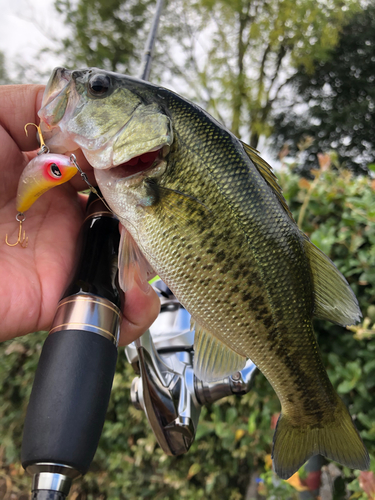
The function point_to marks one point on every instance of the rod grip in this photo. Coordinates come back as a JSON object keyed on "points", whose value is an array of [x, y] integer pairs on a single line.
{"points": [[69, 399]]}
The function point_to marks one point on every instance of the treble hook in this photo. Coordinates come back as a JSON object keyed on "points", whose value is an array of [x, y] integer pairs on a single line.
{"points": [[43, 146], [22, 240]]}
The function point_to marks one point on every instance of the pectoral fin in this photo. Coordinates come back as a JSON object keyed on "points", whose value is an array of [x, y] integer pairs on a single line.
{"points": [[132, 263], [334, 299], [214, 360]]}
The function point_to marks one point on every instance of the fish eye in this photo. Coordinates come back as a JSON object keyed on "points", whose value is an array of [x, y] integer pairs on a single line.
{"points": [[54, 171], [99, 85]]}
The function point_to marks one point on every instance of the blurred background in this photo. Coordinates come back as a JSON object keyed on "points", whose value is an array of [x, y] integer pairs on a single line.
{"points": [[294, 79]]}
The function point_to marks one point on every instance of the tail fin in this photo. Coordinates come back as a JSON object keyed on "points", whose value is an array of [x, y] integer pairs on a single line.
{"points": [[338, 440]]}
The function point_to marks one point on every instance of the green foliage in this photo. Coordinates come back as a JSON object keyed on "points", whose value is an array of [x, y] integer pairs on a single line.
{"points": [[234, 435], [274, 488], [233, 57], [338, 98], [107, 34], [250, 51]]}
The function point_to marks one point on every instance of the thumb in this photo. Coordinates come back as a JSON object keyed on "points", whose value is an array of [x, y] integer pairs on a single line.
{"points": [[142, 306]]}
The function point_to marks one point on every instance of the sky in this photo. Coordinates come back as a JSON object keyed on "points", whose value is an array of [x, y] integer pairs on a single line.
{"points": [[26, 27]]}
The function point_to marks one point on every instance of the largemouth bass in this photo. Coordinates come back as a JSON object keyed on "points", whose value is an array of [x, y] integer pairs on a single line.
{"points": [[209, 217]]}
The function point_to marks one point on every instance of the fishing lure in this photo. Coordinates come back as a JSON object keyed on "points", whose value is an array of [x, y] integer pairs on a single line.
{"points": [[41, 174]]}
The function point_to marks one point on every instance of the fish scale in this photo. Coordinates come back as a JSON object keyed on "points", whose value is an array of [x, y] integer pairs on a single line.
{"points": [[211, 220], [258, 238]]}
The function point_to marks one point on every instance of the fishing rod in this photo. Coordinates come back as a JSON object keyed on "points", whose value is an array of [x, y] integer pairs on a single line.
{"points": [[145, 70], [74, 377]]}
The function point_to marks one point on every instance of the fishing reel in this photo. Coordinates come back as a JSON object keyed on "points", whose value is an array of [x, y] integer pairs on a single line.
{"points": [[166, 388]]}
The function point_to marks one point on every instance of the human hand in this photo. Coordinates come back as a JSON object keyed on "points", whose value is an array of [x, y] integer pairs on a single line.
{"points": [[33, 279]]}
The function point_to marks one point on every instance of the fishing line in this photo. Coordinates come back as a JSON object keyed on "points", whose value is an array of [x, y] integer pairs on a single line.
{"points": [[73, 159]]}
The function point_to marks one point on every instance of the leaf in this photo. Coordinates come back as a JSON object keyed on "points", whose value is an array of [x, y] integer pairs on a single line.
{"points": [[367, 483], [345, 387], [324, 161], [370, 366], [239, 434], [295, 481], [251, 427], [193, 470], [304, 184]]}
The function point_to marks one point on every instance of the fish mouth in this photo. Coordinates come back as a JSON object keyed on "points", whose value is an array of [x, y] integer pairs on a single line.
{"points": [[151, 163], [136, 165]]}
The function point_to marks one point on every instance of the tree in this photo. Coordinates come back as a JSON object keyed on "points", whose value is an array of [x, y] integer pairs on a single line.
{"points": [[240, 54], [108, 34], [232, 56], [338, 99]]}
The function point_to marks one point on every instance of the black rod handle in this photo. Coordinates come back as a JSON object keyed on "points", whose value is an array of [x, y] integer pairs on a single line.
{"points": [[73, 381], [69, 399]]}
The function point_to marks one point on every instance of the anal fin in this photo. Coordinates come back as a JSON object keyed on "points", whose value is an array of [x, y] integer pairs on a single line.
{"points": [[214, 360]]}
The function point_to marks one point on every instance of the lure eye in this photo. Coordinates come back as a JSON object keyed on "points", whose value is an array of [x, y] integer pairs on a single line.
{"points": [[99, 85], [54, 171]]}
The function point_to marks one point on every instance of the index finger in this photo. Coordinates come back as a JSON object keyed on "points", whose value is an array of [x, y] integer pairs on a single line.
{"points": [[19, 104]]}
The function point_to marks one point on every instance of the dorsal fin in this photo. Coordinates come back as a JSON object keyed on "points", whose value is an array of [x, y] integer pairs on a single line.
{"points": [[268, 175]]}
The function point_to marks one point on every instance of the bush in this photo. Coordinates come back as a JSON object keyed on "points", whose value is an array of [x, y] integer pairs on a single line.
{"points": [[234, 437]]}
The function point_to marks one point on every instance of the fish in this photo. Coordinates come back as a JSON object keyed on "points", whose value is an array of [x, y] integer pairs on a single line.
{"points": [[41, 174], [206, 213]]}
